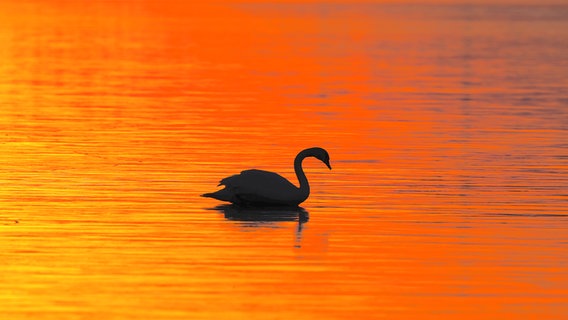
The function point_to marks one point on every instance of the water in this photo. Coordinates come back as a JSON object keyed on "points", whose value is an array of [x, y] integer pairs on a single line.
{"points": [[446, 126]]}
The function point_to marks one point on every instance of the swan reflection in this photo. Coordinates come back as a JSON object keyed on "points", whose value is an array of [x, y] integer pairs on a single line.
{"points": [[267, 217], [266, 214]]}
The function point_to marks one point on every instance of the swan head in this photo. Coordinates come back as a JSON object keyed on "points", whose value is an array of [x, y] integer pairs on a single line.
{"points": [[321, 155]]}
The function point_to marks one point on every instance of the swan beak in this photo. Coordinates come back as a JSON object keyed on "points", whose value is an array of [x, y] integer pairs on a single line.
{"points": [[328, 165]]}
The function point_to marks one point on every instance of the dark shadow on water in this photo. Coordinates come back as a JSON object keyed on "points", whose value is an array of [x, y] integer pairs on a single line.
{"points": [[267, 217], [264, 214]]}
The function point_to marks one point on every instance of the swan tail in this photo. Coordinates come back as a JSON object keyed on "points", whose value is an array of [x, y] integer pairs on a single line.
{"points": [[223, 195]]}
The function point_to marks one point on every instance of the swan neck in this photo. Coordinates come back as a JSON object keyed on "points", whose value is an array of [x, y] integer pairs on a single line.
{"points": [[304, 185]]}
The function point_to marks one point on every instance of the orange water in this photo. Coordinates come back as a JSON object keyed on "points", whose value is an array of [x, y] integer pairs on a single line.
{"points": [[446, 125]]}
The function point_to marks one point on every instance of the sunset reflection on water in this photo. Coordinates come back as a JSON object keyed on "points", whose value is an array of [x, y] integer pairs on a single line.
{"points": [[446, 127]]}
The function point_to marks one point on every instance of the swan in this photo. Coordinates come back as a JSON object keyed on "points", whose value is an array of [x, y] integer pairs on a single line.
{"points": [[263, 188]]}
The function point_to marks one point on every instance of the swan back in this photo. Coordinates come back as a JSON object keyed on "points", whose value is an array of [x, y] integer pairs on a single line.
{"points": [[258, 187]]}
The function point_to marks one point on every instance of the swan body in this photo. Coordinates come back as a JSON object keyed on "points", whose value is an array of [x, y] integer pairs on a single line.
{"points": [[263, 188]]}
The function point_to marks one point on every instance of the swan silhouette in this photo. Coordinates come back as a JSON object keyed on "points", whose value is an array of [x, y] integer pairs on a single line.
{"points": [[263, 188]]}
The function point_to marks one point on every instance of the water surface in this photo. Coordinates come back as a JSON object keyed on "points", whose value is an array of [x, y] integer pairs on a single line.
{"points": [[446, 126]]}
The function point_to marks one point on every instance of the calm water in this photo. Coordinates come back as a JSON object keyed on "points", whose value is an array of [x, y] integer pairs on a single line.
{"points": [[447, 128]]}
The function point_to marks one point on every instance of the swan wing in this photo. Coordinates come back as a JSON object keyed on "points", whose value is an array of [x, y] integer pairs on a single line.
{"points": [[256, 177], [259, 186]]}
